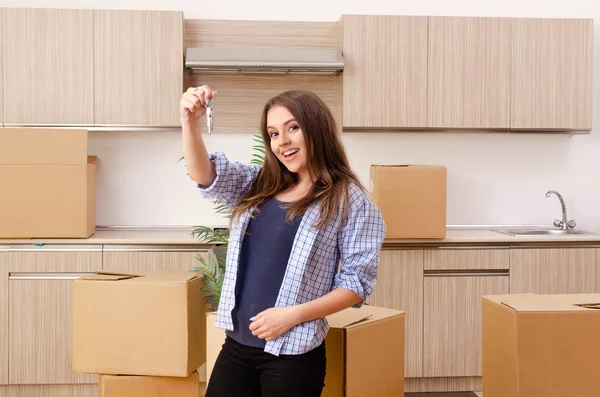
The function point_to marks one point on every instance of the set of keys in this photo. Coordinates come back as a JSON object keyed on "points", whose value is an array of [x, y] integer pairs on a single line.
{"points": [[209, 116], [209, 119]]}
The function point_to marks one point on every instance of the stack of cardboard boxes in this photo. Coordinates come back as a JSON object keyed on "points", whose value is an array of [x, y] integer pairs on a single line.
{"points": [[48, 184], [144, 334]]}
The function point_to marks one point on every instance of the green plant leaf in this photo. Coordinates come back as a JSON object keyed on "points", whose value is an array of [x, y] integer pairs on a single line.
{"points": [[207, 235]]}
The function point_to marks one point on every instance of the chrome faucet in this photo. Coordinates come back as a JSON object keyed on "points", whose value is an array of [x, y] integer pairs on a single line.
{"points": [[563, 224]]}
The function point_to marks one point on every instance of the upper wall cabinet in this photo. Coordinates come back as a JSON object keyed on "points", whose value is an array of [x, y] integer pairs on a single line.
{"points": [[468, 73], [552, 68], [138, 68], [48, 68], [385, 72]]}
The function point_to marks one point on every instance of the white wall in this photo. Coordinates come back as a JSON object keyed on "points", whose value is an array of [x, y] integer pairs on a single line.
{"points": [[492, 178]]}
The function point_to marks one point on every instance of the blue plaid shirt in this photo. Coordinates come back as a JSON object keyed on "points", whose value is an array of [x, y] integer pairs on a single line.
{"points": [[312, 269]]}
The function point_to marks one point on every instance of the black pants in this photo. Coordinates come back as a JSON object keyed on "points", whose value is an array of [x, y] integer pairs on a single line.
{"points": [[244, 371]]}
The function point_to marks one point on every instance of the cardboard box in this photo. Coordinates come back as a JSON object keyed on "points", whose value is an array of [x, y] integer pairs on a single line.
{"points": [[148, 386], [365, 352], [152, 323], [48, 184], [412, 200], [541, 345]]}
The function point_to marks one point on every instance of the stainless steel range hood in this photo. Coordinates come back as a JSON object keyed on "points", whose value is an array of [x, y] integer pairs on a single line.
{"points": [[264, 61]]}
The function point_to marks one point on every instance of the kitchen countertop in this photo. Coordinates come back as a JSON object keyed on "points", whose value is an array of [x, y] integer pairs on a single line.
{"points": [[455, 236]]}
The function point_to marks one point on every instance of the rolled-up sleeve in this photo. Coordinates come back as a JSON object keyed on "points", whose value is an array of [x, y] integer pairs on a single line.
{"points": [[233, 180], [359, 243]]}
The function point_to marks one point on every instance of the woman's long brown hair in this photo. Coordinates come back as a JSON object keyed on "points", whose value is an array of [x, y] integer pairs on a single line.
{"points": [[326, 161]]}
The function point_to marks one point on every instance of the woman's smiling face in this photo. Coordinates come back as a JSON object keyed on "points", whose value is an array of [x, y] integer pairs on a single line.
{"points": [[287, 140]]}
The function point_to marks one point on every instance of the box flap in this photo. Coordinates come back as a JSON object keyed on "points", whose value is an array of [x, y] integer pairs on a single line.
{"points": [[499, 298], [553, 303], [357, 316], [347, 317], [149, 277], [109, 276], [405, 165], [43, 146]]}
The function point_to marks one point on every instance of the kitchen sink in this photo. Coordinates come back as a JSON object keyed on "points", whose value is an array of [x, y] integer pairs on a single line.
{"points": [[540, 232]]}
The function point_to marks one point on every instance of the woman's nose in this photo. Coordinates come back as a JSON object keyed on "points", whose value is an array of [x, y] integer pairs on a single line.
{"points": [[285, 140]]}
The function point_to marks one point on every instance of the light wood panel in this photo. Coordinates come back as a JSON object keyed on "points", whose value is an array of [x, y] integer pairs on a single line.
{"points": [[452, 323], [48, 70], [555, 270], [138, 67], [260, 34], [471, 258], [385, 72], [552, 74], [469, 72], [49, 391], [442, 384], [136, 258], [400, 286], [40, 317], [241, 98], [4, 315]]}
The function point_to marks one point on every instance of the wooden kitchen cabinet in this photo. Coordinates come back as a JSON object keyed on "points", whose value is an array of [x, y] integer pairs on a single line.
{"points": [[3, 315], [400, 286], [468, 73], [555, 270], [40, 320], [138, 68], [455, 279], [552, 74], [385, 72], [151, 257], [48, 67]]}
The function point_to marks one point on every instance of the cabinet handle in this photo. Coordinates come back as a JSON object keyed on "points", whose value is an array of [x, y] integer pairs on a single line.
{"points": [[153, 248], [47, 276], [465, 273], [469, 247], [55, 248], [90, 127]]}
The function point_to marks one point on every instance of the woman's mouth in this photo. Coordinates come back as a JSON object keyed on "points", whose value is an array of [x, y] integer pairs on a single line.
{"points": [[290, 154]]}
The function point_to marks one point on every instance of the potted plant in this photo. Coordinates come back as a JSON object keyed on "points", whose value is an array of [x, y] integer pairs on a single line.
{"points": [[212, 269]]}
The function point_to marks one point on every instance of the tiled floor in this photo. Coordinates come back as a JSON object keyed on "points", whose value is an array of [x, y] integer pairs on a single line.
{"points": [[462, 394]]}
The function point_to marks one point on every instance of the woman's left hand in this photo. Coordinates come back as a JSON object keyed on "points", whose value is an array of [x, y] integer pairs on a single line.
{"points": [[273, 322]]}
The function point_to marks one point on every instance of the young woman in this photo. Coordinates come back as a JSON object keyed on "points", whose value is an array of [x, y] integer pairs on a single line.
{"points": [[305, 242]]}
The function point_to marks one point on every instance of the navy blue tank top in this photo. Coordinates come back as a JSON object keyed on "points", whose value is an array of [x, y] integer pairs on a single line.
{"points": [[264, 255]]}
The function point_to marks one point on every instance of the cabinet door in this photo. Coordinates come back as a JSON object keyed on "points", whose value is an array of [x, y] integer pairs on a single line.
{"points": [[151, 257], [452, 322], [4, 315], [552, 72], [400, 286], [138, 68], [469, 73], [48, 70], [385, 72], [555, 270], [40, 321]]}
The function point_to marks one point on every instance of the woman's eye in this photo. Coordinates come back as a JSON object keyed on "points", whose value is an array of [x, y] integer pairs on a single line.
{"points": [[273, 134], [293, 127]]}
